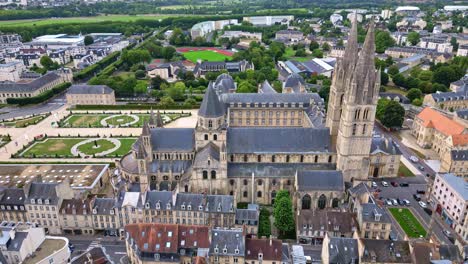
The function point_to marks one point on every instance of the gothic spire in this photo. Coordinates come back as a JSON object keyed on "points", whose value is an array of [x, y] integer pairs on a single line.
{"points": [[146, 129], [351, 50], [151, 119], [159, 121], [211, 106], [141, 153]]}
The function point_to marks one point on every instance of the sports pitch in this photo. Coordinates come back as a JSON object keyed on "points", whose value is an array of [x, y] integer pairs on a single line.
{"points": [[205, 55]]}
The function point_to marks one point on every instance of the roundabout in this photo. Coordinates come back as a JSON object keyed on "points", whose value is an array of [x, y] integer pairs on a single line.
{"points": [[122, 120], [95, 146]]}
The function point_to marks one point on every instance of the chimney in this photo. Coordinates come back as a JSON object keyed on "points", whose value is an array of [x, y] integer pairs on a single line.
{"points": [[271, 241]]}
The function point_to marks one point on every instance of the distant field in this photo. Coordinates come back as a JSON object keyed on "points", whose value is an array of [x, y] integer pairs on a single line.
{"points": [[205, 55], [68, 20]]}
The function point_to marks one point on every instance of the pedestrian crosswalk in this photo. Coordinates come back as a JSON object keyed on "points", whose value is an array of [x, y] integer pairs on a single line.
{"points": [[93, 245]]}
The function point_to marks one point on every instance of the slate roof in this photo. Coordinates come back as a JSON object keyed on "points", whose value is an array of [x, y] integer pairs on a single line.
{"points": [[273, 169], [81, 207], [320, 220], [247, 216], [172, 139], [278, 140], [343, 250], [463, 113], [176, 166], [211, 106], [270, 248], [385, 145], [220, 203], [386, 251], [161, 197], [209, 151], [40, 190], [228, 239], [224, 84], [451, 96], [192, 199], [320, 180], [103, 205], [361, 188], [458, 184], [280, 99], [369, 211], [459, 155], [209, 203], [266, 88], [294, 81], [403, 99], [89, 89], [30, 86], [12, 196], [15, 244]]}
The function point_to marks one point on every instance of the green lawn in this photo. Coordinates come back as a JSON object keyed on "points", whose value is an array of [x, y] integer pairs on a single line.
{"points": [[71, 20], [408, 222], [404, 171], [94, 120], [419, 154], [393, 89], [61, 147], [24, 122], [205, 55]]}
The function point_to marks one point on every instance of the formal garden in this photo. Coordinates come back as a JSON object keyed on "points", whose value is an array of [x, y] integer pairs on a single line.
{"points": [[408, 222], [4, 139], [23, 121], [83, 120], [74, 147]]}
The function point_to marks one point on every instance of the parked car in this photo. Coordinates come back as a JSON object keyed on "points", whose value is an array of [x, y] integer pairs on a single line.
{"points": [[384, 184], [400, 202], [388, 202], [447, 233], [421, 168], [414, 159], [404, 184], [394, 184], [394, 202], [374, 184], [407, 203], [417, 197], [428, 211], [422, 204], [420, 192]]}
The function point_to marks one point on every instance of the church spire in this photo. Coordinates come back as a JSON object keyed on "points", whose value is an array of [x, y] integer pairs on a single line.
{"points": [[159, 121], [351, 50]]}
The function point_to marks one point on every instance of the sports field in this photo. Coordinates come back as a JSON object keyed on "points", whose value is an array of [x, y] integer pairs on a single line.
{"points": [[408, 222], [71, 20], [61, 147], [205, 55]]}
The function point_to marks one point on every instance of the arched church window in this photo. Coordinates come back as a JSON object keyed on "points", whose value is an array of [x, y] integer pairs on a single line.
{"points": [[245, 158], [260, 182], [302, 158], [354, 129], [341, 99], [213, 174], [232, 158], [335, 202], [316, 159], [357, 113], [245, 194], [330, 159], [153, 178], [231, 182], [273, 158], [364, 129], [177, 177], [165, 177], [205, 175], [259, 194], [287, 158], [306, 202], [259, 158], [322, 202], [215, 137]]}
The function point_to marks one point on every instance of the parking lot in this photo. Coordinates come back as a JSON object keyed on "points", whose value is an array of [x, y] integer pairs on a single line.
{"points": [[406, 193]]}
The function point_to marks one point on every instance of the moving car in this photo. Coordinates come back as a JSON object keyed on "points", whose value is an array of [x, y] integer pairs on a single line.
{"points": [[447, 233], [421, 168], [422, 204], [384, 184], [414, 159]]}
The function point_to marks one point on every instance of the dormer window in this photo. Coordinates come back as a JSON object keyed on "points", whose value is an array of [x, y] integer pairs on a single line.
{"points": [[260, 256], [189, 207], [46, 201], [33, 201], [182, 207], [158, 206], [200, 208], [156, 256], [111, 211], [168, 206], [236, 251], [216, 250], [219, 207], [224, 250], [39, 201], [147, 205], [94, 210]]}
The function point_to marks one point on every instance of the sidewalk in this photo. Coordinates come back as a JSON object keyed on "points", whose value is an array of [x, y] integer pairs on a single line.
{"points": [[408, 140]]}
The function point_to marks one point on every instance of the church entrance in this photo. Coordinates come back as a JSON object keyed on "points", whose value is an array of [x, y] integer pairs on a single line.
{"points": [[376, 172]]}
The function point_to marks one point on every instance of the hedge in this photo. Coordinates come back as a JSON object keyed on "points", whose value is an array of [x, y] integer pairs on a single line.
{"points": [[95, 68], [134, 107], [39, 98]]}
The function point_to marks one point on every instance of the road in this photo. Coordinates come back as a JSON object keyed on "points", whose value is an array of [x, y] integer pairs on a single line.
{"points": [[50, 106], [114, 247]]}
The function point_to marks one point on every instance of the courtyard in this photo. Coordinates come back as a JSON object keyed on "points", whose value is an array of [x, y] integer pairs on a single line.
{"points": [[408, 222], [83, 120], [78, 147]]}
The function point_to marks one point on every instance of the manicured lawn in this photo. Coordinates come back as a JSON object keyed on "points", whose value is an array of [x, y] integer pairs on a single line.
{"points": [[408, 222], [94, 120], [404, 171], [393, 89], [71, 20], [205, 55], [24, 122], [61, 147], [90, 148]]}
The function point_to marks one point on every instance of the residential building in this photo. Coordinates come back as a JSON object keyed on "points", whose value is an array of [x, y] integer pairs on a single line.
{"points": [[75, 217], [460, 85], [30, 89], [374, 222], [448, 100], [203, 28], [248, 219], [439, 44], [11, 71], [241, 34], [25, 243], [201, 68], [165, 243], [268, 20], [289, 35], [337, 250], [12, 207], [312, 225], [90, 95], [227, 246], [105, 216], [384, 251], [456, 162], [450, 198], [385, 159], [433, 129], [462, 50], [263, 251], [7, 39]]}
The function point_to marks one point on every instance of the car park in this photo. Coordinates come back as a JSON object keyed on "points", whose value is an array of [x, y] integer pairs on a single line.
{"points": [[422, 204], [407, 203], [384, 184]]}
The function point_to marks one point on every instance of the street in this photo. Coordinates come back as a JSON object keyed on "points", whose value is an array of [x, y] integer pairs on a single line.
{"points": [[113, 246]]}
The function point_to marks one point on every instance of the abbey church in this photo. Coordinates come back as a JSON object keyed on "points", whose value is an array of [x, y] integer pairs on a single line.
{"points": [[251, 145]]}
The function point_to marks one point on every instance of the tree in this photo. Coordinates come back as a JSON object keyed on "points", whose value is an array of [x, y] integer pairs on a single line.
{"points": [[437, 87], [318, 53], [393, 70], [176, 91], [167, 101], [283, 214], [425, 76], [301, 53], [383, 40], [246, 87], [414, 93], [326, 47], [399, 80], [46, 62], [140, 74], [324, 93], [417, 102], [88, 40], [168, 52], [313, 45], [390, 113], [190, 102], [413, 38], [445, 75]]}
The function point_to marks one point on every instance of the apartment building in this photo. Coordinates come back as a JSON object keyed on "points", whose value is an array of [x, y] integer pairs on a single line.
{"points": [[263, 251], [227, 246], [374, 222], [441, 45], [90, 95], [75, 217], [11, 71], [12, 206]]}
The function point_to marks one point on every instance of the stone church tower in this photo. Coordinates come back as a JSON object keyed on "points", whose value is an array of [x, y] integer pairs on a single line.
{"points": [[353, 97]]}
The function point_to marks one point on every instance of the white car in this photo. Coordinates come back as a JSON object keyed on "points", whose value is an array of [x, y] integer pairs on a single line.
{"points": [[407, 203], [414, 159], [395, 202], [384, 184], [388, 202], [374, 184], [422, 204]]}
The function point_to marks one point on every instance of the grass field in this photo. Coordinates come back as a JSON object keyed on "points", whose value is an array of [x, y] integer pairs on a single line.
{"points": [[53, 147], [206, 55], [404, 171], [94, 120], [24, 122], [71, 20], [408, 222]]}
